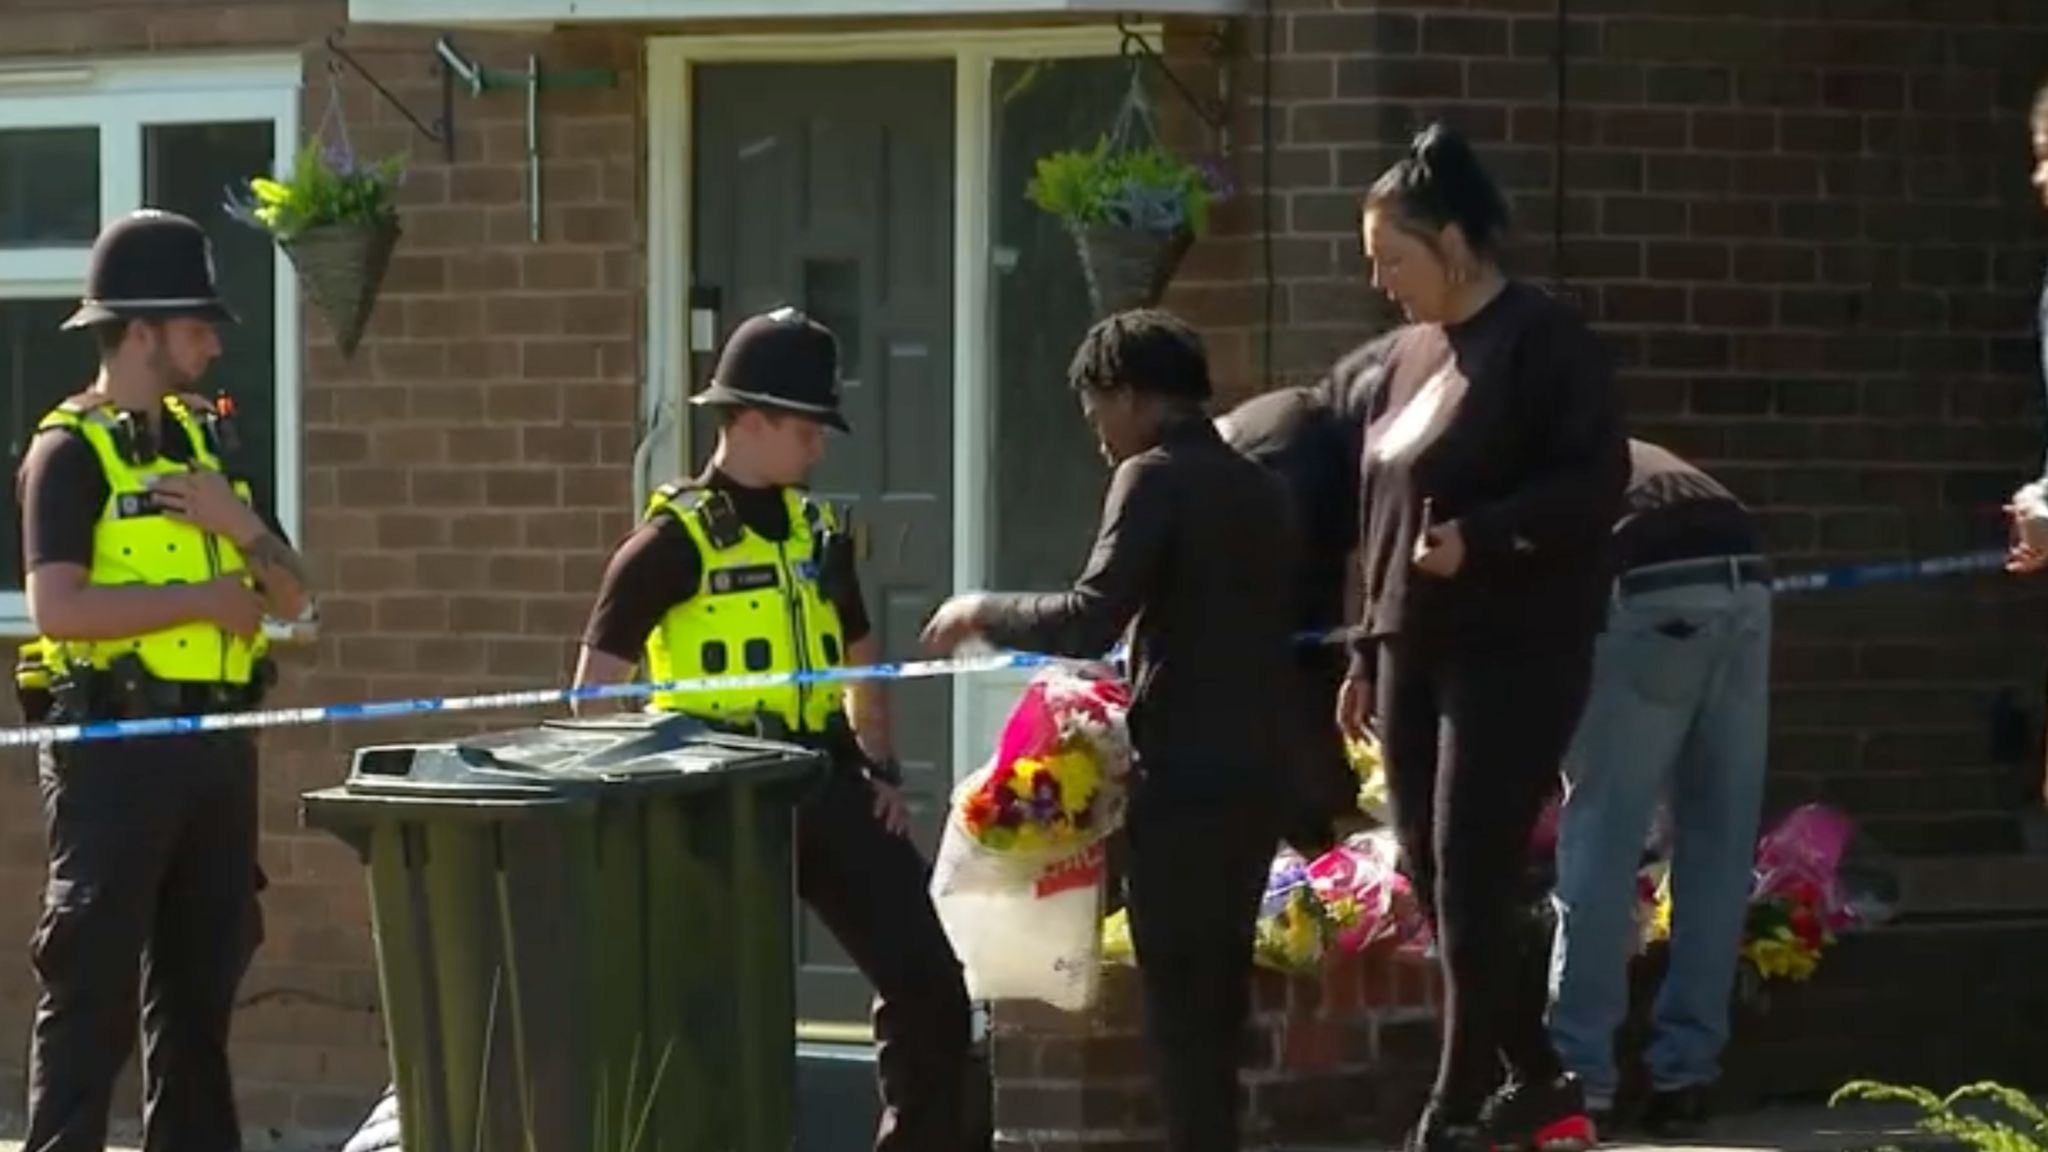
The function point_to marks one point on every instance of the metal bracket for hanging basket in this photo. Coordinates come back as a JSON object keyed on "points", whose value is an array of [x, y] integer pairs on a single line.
{"points": [[452, 66], [1217, 44]]}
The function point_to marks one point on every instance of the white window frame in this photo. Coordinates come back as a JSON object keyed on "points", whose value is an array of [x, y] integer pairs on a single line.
{"points": [[120, 98]]}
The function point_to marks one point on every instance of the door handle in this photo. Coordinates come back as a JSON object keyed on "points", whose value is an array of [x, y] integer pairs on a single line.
{"points": [[862, 541]]}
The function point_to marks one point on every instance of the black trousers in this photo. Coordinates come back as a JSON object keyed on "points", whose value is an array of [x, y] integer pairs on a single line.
{"points": [[872, 890], [1473, 743], [1195, 871], [151, 894]]}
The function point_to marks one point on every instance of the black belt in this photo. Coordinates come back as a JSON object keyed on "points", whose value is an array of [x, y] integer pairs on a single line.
{"points": [[102, 698], [1728, 571]]}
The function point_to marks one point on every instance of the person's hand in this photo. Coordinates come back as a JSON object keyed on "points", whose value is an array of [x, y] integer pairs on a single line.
{"points": [[955, 621], [204, 500], [1441, 550], [2021, 557], [232, 605], [891, 808], [1354, 707]]}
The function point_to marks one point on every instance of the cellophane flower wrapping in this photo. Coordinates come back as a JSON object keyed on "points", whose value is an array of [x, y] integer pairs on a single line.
{"points": [[1360, 881], [1295, 928], [1018, 878], [1348, 900], [1056, 783], [1798, 900]]}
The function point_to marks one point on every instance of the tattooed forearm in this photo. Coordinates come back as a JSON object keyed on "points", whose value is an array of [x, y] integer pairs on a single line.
{"points": [[267, 551], [280, 575]]}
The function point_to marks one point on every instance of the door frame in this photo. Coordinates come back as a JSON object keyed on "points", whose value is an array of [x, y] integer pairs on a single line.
{"points": [[671, 159]]}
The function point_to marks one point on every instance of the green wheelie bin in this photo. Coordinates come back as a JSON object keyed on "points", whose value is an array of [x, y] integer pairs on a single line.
{"points": [[584, 933]]}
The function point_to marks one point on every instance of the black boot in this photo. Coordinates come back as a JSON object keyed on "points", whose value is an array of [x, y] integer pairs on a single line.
{"points": [[1675, 1113], [1547, 1116]]}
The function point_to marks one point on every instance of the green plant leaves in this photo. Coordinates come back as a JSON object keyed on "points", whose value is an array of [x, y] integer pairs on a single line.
{"points": [[325, 186], [1150, 188]]}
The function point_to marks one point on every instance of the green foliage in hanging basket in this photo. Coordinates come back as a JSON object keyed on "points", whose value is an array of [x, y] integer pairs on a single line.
{"points": [[1151, 188], [337, 221], [326, 186]]}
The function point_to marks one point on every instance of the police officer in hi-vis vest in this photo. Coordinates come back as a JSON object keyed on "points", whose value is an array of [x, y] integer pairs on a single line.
{"points": [[741, 571], [149, 575]]}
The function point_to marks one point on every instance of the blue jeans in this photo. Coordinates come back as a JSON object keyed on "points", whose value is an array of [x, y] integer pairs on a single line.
{"points": [[1680, 708]]}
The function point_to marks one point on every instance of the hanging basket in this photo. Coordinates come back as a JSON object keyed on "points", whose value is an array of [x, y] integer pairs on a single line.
{"points": [[1128, 267], [342, 267]]}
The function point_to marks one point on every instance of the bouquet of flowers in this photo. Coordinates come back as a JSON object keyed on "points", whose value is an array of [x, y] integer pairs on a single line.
{"points": [[1366, 764], [1018, 878], [1056, 783], [1797, 900], [1785, 933], [1295, 927], [1348, 900], [1361, 884]]}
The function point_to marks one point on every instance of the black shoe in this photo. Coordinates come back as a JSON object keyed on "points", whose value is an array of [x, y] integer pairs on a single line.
{"points": [[1676, 1113], [1433, 1133], [1540, 1117]]}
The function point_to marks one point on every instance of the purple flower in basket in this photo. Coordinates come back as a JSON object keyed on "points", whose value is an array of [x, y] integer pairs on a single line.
{"points": [[1216, 179]]}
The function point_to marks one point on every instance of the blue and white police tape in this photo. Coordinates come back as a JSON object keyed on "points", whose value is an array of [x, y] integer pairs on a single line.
{"points": [[1849, 576], [1857, 575], [386, 709]]}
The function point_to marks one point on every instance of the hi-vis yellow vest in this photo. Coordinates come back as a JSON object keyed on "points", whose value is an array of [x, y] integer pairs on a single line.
{"points": [[757, 609], [133, 543]]}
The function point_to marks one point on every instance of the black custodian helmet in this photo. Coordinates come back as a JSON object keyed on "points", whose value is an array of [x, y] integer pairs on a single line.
{"points": [[151, 265], [781, 361]]}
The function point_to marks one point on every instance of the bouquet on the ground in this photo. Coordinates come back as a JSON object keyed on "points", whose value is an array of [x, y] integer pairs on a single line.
{"points": [[1348, 900], [1361, 883], [1295, 927], [1799, 899], [1018, 878]]}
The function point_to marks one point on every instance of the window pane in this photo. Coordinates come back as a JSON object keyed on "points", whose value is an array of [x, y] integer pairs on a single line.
{"points": [[187, 168], [1049, 478], [39, 366], [49, 187]]}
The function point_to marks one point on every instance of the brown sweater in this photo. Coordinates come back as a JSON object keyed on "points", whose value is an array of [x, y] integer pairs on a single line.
{"points": [[1510, 424]]}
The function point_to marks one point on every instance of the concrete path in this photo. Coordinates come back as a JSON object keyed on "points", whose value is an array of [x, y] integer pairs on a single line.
{"points": [[1853, 1128], [1850, 1128]]}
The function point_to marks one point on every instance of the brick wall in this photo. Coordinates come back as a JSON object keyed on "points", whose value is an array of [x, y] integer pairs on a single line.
{"points": [[1346, 1051], [1803, 223], [1806, 230], [464, 477]]}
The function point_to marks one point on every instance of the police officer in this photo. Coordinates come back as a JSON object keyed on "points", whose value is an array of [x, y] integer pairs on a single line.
{"points": [[149, 574], [741, 571]]}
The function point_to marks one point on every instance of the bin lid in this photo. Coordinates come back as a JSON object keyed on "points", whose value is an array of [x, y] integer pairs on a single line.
{"points": [[568, 760]]}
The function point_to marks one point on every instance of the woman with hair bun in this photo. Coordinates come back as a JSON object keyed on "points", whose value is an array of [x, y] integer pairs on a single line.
{"points": [[1495, 459]]}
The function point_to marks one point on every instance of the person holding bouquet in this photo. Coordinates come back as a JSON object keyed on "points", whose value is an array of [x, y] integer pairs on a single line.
{"points": [[1194, 557], [1494, 464]]}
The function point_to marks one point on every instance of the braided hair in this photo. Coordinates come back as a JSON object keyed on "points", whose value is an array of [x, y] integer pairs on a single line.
{"points": [[1147, 350]]}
